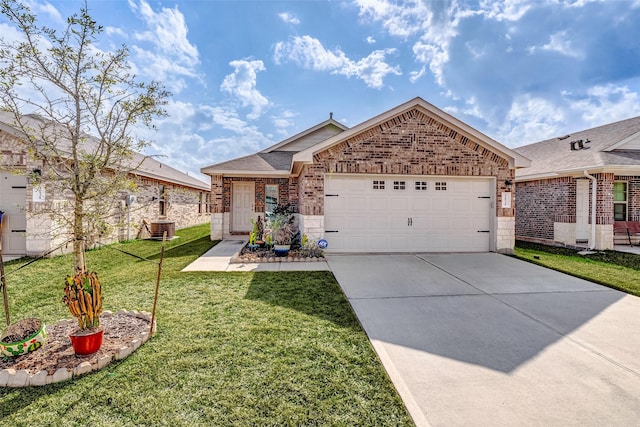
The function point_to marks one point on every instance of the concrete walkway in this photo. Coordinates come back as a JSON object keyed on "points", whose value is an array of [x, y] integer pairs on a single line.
{"points": [[218, 259], [488, 340]]}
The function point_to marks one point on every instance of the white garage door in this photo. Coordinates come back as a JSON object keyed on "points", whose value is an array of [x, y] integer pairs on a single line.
{"points": [[407, 214]]}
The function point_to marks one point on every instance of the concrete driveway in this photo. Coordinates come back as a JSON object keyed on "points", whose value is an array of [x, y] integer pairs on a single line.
{"points": [[487, 340]]}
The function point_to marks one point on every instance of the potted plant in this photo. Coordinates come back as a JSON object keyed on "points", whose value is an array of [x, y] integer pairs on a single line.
{"points": [[282, 229], [83, 296], [23, 337]]}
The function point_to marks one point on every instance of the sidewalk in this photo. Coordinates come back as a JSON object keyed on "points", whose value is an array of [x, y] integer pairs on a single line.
{"points": [[218, 259]]}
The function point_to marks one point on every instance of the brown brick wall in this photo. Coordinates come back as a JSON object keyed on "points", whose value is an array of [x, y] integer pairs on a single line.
{"points": [[409, 144], [540, 203]]}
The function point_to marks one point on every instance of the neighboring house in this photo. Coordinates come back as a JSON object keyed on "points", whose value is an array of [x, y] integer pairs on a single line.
{"points": [[162, 193], [411, 179], [555, 196]]}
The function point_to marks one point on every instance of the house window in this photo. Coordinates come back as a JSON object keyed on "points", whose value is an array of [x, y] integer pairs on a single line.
{"points": [[421, 185], [441, 186], [162, 201], [207, 205], [270, 199], [378, 185], [620, 201], [399, 185], [200, 202]]}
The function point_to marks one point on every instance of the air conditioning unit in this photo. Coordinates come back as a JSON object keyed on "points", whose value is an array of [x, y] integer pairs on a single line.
{"points": [[130, 199]]}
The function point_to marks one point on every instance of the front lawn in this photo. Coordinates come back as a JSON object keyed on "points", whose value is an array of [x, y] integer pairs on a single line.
{"points": [[242, 349], [613, 269]]}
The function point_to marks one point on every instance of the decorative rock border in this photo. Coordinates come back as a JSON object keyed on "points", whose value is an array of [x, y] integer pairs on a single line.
{"points": [[23, 378], [245, 258]]}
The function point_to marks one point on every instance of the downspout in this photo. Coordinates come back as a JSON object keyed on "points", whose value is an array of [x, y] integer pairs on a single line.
{"points": [[594, 192]]}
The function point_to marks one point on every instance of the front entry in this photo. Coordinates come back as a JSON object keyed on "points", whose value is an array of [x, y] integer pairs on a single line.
{"points": [[242, 206]]}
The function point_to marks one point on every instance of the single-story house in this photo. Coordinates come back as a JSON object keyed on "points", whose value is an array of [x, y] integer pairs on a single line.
{"points": [[413, 178], [578, 186], [162, 193]]}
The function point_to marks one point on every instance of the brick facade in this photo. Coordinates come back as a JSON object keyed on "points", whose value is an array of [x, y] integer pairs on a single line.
{"points": [[185, 205], [409, 144], [543, 204]]}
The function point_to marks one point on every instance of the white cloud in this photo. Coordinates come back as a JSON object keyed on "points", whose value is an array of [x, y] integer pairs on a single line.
{"points": [[531, 119], [505, 10], [289, 18], [242, 85], [559, 43], [372, 40], [434, 24], [172, 57], [309, 53], [417, 75], [167, 32], [606, 104], [110, 31], [400, 20], [283, 121], [48, 9]]}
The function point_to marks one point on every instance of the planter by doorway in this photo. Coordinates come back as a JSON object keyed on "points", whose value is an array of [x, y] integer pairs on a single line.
{"points": [[86, 342]]}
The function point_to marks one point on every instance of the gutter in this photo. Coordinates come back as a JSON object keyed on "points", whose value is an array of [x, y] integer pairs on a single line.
{"points": [[594, 190]]}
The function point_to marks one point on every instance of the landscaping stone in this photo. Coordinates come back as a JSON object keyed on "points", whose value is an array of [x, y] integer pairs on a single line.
{"points": [[38, 379], [4, 376], [83, 368], [62, 374], [18, 379]]}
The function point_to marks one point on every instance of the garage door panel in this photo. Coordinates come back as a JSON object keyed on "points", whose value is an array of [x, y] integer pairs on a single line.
{"points": [[377, 203], [427, 214]]}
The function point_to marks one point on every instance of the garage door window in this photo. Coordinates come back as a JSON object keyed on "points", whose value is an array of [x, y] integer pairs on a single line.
{"points": [[421, 185], [378, 185], [399, 185], [441, 186]]}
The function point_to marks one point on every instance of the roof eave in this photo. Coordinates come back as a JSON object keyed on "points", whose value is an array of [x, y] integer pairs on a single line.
{"points": [[246, 173]]}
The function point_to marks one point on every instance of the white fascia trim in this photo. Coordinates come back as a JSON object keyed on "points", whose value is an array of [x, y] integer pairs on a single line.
{"points": [[249, 174]]}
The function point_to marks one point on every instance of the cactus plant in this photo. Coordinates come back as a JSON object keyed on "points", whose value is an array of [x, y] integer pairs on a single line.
{"points": [[83, 296]]}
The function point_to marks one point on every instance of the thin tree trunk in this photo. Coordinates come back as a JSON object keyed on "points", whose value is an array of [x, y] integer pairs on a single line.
{"points": [[79, 242]]}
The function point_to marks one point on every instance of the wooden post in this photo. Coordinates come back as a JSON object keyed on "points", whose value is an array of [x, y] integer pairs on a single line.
{"points": [[3, 284], [155, 298]]}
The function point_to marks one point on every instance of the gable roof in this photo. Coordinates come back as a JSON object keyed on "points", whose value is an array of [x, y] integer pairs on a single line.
{"points": [[147, 167], [614, 147], [516, 160], [276, 160]]}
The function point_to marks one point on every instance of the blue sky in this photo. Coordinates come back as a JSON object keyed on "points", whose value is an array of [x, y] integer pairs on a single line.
{"points": [[247, 74]]}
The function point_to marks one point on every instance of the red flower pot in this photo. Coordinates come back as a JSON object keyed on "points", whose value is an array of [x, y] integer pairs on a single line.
{"points": [[86, 343]]}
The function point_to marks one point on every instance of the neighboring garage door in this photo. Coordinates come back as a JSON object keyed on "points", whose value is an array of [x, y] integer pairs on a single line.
{"points": [[13, 195], [407, 214]]}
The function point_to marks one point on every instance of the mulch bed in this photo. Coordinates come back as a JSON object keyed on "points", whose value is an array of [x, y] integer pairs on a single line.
{"points": [[119, 330]]}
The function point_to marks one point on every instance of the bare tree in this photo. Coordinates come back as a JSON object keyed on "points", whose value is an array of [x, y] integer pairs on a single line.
{"points": [[59, 89]]}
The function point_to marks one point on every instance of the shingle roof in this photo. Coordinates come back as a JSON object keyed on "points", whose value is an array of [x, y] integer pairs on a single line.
{"points": [[555, 156], [148, 166], [277, 158], [273, 162]]}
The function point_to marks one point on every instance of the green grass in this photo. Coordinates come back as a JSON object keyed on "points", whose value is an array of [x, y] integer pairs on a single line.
{"points": [[243, 349], [613, 269]]}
